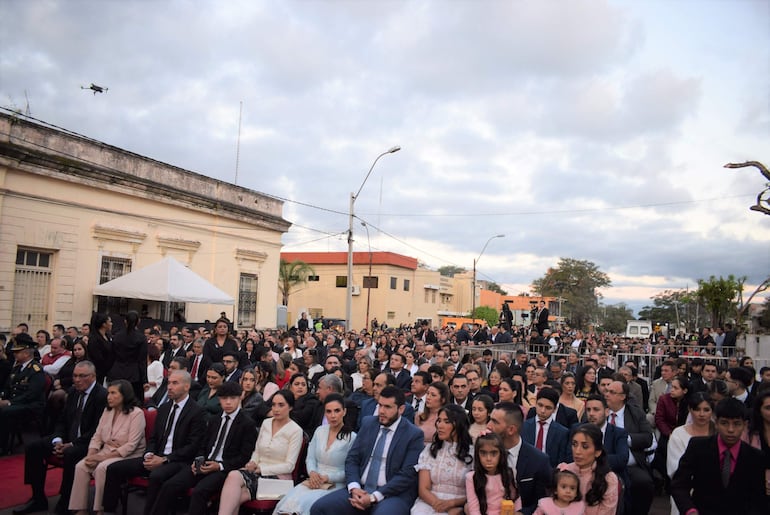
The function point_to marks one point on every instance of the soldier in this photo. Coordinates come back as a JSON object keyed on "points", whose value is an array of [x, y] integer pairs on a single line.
{"points": [[24, 394]]}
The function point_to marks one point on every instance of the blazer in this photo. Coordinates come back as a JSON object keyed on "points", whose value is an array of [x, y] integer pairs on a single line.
{"points": [[214, 353], [616, 447], [565, 416], [125, 435], [557, 443], [170, 354], [400, 474], [533, 476], [92, 411], [404, 380], [639, 429], [235, 377], [188, 433], [657, 390], [367, 410], [203, 367], [239, 444], [666, 414], [699, 471], [130, 350]]}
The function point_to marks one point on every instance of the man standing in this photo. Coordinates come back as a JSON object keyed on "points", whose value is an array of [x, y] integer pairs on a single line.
{"points": [[24, 394], [426, 334], [721, 474], [179, 430], [69, 442], [542, 318], [228, 445], [379, 468], [660, 386], [531, 468]]}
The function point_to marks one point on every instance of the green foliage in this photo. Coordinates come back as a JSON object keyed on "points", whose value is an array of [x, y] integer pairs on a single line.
{"points": [[493, 286], [486, 313], [720, 296], [614, 318], [450, 270], [291, 275], [576, 281], [764, 319], [673, 306]]}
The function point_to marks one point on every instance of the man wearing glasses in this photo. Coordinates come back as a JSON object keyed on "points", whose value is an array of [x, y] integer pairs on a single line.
{"points": [[232, 372]]}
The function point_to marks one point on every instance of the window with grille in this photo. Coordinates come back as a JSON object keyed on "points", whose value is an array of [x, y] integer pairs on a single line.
{"points": [[32, 288], [341, 281], [406, 284], [393, 283], [247, 300], [371, 281], [112, 268]]}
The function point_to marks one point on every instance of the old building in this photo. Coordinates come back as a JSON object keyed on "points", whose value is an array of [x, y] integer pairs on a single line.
{"points": [[76, 212]]}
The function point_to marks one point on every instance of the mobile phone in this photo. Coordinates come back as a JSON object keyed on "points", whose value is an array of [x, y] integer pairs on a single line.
{"points": [[199, 461]]}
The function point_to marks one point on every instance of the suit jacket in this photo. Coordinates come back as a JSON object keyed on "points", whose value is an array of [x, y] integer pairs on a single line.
{"points": [[130, 350], [565, 416], [699, 471], [92, 412], [639, 429], [170, 354], [542, 320], [400, 474], [236, 376], [404, 380], [367, 410], [533, 476], [203, 367], [657, 390], [188, 433], [430, 336], [467, 405], [239, 444], [501, 337], [557, 442], [645, 392]]}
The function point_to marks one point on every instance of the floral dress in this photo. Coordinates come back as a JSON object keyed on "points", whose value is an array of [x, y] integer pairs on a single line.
{"points": [[447, 475]]}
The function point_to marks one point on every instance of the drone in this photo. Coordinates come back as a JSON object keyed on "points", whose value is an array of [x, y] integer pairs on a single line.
{"points": [[96, 89]]}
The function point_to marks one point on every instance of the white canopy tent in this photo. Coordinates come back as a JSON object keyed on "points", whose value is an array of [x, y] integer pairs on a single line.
{"points": [[168, 280]]}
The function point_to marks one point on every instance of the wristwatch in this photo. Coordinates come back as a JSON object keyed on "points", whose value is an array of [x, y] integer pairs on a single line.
{"points": [[372, 499]]}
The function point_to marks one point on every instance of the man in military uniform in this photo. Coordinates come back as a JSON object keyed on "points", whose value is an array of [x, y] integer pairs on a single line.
{"points": [[23, 396]]}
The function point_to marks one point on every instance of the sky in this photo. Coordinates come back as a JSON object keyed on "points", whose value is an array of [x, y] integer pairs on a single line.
{"points": [[589, 129]]}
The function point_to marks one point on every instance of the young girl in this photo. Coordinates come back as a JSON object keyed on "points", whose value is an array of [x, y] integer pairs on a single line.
{"points": [[566, 499], [480, 410], [490, 480]]}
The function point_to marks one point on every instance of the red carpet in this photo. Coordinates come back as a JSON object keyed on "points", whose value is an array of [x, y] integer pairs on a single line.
{"points": [[13, 491]]}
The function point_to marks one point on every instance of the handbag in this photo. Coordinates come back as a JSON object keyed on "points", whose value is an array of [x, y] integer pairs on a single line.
{"points": [[273, 489]]}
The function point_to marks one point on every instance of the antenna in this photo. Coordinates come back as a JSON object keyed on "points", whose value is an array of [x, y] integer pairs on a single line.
{"points": [[238, 146]]}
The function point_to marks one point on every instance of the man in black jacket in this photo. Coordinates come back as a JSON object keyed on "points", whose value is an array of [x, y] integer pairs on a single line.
{"points": [[69, 442], [179, 429]]}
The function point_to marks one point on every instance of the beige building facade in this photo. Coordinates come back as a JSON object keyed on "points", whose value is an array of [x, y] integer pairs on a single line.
{"points": [[75, 213]]}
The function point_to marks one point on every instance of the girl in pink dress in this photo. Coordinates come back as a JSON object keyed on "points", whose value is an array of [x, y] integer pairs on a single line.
{"points": [[566, 499], [491, 480]]}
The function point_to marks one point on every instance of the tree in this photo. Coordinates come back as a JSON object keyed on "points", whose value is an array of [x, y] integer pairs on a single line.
{"points": [[493, 286], [614, 318], [486, 313], [673, 306], [764, 318], [576, 281], [291, 275], [450, 270], [720, 296]]}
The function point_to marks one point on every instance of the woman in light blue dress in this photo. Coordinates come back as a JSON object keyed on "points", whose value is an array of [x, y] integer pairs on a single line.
{"points": [[325, 460]]}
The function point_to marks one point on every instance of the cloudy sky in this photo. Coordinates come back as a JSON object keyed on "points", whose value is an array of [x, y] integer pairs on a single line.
{"points": [[588, 129]]}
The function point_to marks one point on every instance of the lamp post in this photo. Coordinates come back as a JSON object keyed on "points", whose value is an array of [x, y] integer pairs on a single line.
{"points": [[369, 288], [473, 291], [353, 197]]}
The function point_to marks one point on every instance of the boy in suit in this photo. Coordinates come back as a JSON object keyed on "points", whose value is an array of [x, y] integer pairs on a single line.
{"points": [[544, 432]]}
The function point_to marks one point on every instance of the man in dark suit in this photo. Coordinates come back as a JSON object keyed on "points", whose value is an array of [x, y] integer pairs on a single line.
{"points": [[615, 439], [69, 442], [544, 432], [228, 445], [199, 363], [426, 334], [565, 415], [632, 419], [461, 392], [721, 474], [403, 377], [379, 468], [176, 350], [232, 372], [178, 433], [542, 318], [331, 383], [23, 396], [369, 407], [533, 469]]}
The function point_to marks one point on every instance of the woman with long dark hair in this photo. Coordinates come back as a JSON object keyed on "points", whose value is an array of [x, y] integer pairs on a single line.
{"points": [[586, 383], [436, 397], [100, 345], [130, 349], [216, 346], [758, 435], [305, 403], [443, 465], [598, 484]]}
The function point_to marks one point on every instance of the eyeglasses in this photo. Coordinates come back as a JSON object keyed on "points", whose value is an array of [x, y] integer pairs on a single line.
{"points": [[228, 361]]}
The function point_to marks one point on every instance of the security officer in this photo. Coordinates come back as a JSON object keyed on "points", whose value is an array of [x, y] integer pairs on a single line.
{"points": [[23, 396]]}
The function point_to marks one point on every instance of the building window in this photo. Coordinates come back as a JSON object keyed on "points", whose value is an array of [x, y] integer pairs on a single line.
{"points": [[341, 281], [112, 268], [406, 284], [426, 297], [433, 296], [393, 283], [312, 278], [391, 315], [371, 281], [247, 300], [31, 288]]}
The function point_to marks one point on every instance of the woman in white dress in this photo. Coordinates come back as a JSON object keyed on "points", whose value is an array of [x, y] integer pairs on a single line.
{"points": [[701, 411], [442, 465], [325, 460], [364, 364], [154, 372]]}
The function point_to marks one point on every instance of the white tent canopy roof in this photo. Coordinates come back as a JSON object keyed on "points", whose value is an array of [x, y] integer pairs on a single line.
{"points": [[167, 280]]}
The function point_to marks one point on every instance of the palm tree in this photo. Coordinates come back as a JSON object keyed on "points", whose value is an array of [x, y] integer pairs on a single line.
{"points": [[290, 275]]}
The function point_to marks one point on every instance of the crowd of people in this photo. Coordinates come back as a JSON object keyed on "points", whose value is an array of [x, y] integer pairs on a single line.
{"points": [[404, 420]]}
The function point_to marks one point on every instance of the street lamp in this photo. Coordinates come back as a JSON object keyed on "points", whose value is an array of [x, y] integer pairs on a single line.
{"points": [[369, 289], [353, 197], [473, 292]]}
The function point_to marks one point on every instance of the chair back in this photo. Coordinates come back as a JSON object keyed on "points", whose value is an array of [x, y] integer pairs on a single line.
{"points": [[149, 423]]}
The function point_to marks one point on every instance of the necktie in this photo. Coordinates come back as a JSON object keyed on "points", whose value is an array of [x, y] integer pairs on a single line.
{"points": [[75, 429], [614, 419], [726, 458], [169, 425], [417, 405], [376, 462], [541, 430], [668, 387], [221, 439], [194, 371]]}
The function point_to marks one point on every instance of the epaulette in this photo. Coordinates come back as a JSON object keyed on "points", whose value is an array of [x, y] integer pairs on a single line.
{"points": [[36, 367]]}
